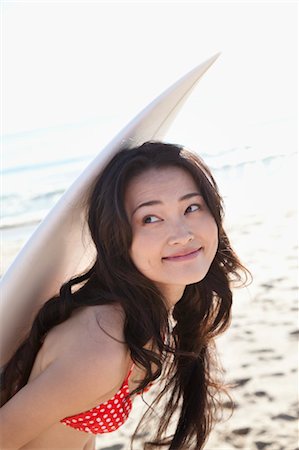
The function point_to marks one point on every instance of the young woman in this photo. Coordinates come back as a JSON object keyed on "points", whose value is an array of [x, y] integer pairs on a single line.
{"points": [[163, 257]]}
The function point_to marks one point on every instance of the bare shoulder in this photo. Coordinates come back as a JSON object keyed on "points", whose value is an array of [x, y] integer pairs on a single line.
{"points": [[96, 347], [94, 333], [92, 343], [100, 330], [106, 320]]}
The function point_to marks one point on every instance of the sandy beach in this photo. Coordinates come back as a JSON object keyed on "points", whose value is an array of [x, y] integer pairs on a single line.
{"points": [[258, 352]]}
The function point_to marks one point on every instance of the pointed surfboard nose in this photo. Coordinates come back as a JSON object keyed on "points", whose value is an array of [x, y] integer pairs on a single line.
{"points": [[184, 86], [61, 246], [161, 112]]}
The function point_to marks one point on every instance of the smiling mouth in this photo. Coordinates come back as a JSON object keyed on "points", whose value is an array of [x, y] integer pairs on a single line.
{"points": [[183, 257]]}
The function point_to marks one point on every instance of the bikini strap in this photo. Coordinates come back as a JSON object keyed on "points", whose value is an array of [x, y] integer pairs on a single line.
{"points": [[129, 374]]}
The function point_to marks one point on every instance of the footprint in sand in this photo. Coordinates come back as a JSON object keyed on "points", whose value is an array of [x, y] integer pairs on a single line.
{"points": [[242, 431], [262, 350], [260, 445], [282, 416], [114, 447], [240, 382]]}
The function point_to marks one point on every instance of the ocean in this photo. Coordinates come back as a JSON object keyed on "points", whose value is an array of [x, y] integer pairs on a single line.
{"points": [[38, 166]]}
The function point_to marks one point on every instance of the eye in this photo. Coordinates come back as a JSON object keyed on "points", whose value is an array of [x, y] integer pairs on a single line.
{"points": [[150, 219], [192, 208]]}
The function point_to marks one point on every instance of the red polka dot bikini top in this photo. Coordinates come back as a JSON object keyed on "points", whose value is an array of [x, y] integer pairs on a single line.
{"points": [[107, 416]]}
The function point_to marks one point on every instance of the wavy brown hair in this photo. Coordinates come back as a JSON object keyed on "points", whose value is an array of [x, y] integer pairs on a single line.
{"points": [[184, 358]]}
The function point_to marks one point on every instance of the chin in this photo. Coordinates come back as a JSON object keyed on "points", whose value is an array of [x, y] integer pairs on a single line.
{"points": [[196, 279]]}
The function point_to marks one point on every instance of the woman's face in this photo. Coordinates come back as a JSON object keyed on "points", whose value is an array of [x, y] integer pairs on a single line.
{"points": [[175, 236]]}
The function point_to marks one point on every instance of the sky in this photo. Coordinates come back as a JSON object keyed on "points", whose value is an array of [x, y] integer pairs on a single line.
{"points": [[70, 62]]}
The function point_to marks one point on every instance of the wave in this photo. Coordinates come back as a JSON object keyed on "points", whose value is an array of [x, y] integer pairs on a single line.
{"points": [[225, 152], [266, 161], [44, 165], [20, 224], [23, 211], [48, 195]]}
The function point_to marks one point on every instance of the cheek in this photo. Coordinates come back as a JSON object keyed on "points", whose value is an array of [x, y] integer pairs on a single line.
{"points": [[212, 234], [214, 230], [141, 249]]}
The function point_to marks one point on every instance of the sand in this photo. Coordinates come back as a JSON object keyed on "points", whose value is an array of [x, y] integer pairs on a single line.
{"points": [[259, 351]]}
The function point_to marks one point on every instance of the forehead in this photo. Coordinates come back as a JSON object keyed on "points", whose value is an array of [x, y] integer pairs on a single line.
{"points": [[155, 184]]}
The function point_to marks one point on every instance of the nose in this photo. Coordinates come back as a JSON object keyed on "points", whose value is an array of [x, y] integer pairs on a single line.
{"points": [[180, 234]]}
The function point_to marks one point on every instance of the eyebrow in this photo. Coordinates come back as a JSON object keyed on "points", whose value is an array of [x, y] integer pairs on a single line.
{"points": [[159, 202]]}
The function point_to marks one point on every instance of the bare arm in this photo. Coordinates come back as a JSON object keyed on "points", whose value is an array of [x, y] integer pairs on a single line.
{"points": [[91, 445]]}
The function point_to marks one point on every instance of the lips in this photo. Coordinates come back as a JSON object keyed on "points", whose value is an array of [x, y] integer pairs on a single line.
{"points": [[185, 255]]}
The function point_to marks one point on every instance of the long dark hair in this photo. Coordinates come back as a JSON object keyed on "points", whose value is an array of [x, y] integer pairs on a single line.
{"points": [[190, 385]]}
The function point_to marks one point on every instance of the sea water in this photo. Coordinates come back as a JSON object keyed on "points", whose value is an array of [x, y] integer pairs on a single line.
{"points": [[38, 166]]}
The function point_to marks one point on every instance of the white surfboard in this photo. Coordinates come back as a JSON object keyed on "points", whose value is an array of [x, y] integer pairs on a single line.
{"points": [[61, 246]]}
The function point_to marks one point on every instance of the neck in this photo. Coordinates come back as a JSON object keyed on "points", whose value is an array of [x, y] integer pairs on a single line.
{"points": [[172, 294]]}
